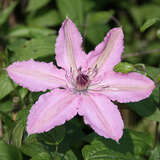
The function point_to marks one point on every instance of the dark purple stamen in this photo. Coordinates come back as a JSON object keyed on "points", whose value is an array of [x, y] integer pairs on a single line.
{"points": [[82, 81]]}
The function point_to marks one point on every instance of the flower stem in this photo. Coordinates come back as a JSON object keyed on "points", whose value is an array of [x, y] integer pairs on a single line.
{"points": [[56, 151], [157, 126], [156, 134]]}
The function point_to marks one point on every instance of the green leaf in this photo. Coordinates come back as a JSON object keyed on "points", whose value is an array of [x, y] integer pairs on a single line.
{"points": [[69, 155], [32, 149], [155, 153], [124, 67], [73, 133], [158, 33], [100, 17], [17, 133], [155, 116], [72, 9], [58, 156], [132, 142], [53, 137], [30, 32], [6, 106], [100, 152], [144, 12], [6, 119], [36, 4], [152, 72], [31, 139], [96, 25], [6, 85], [149, 23], [146, 108], [4, 14], [23, 92], [34, 48], [157, 80], [142, 142], [88, 5], [22, 115], [9, 152], [42, 156], [14, 44], [44, 18], [131, 146]]}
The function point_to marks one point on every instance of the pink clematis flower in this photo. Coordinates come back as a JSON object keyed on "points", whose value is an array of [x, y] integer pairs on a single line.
{"points": [[86, 84]]}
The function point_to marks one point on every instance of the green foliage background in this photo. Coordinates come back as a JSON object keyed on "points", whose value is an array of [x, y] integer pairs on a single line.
{"points": [[28, 29]]}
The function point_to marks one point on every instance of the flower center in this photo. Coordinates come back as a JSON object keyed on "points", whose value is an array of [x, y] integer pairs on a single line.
{"points": [[82, 82]]}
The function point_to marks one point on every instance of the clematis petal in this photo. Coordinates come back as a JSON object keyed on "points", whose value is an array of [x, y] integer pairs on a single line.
{"points": [[51, 109], [102, 115], [36, 76], [108, 53], [68, 49], [130, 87]]}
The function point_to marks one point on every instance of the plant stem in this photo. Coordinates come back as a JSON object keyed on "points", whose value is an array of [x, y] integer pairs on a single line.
{"points": [[56, 148], [12, 18], [141, 53], [116, 21], [1, 132]]}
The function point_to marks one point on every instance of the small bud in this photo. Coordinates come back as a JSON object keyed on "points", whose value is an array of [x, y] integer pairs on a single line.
{"points": [[124, 67]]}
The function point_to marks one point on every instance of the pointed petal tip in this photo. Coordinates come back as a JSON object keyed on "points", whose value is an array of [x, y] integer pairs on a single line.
{"points": [[117, 140], [118, 30], [115, 137], [67, 19], [30, 132]]}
